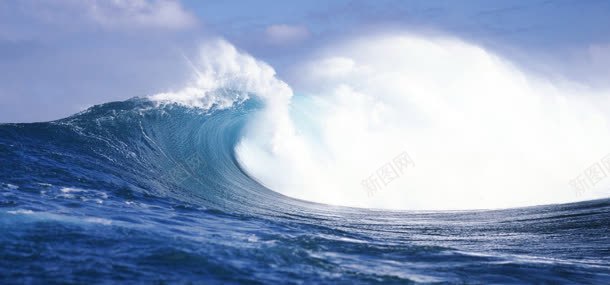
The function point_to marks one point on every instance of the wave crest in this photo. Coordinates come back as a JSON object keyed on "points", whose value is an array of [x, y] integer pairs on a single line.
{"points": [[481, 132]]}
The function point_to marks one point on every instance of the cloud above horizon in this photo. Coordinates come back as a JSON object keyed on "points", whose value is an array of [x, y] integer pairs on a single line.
{"points": [[59, 57], [140, 13], [27, 20], [286, 34]]}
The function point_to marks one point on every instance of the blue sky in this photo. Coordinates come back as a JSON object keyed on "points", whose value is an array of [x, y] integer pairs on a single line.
{"points": [[60, 56]]}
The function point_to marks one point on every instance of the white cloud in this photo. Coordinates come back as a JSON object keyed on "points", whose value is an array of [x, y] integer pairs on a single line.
{"points": [[600, 54], [66, 16], [140, 13], [286, 34]]}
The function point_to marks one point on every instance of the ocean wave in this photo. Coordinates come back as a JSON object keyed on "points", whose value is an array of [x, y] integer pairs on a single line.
{"points": [[236, 179]]}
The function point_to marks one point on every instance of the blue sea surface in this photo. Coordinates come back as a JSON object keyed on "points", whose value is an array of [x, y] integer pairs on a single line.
{"points": [[136, 192]]}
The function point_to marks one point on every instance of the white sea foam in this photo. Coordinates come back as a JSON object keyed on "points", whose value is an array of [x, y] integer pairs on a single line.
{"points": [[11, 186], [482, 133], [21, 211], [96, 220], [224, 76], [72, 190], [85, 195]]}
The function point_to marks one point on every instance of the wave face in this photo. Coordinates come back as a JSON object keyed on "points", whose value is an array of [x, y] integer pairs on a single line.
{"points": [[168, 189]]}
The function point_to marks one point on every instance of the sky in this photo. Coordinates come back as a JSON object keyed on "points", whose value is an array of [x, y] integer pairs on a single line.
{"points": [[58, 57]]}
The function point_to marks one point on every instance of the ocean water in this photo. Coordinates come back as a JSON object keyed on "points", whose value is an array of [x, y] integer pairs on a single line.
{"points": [[140, 192]]}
